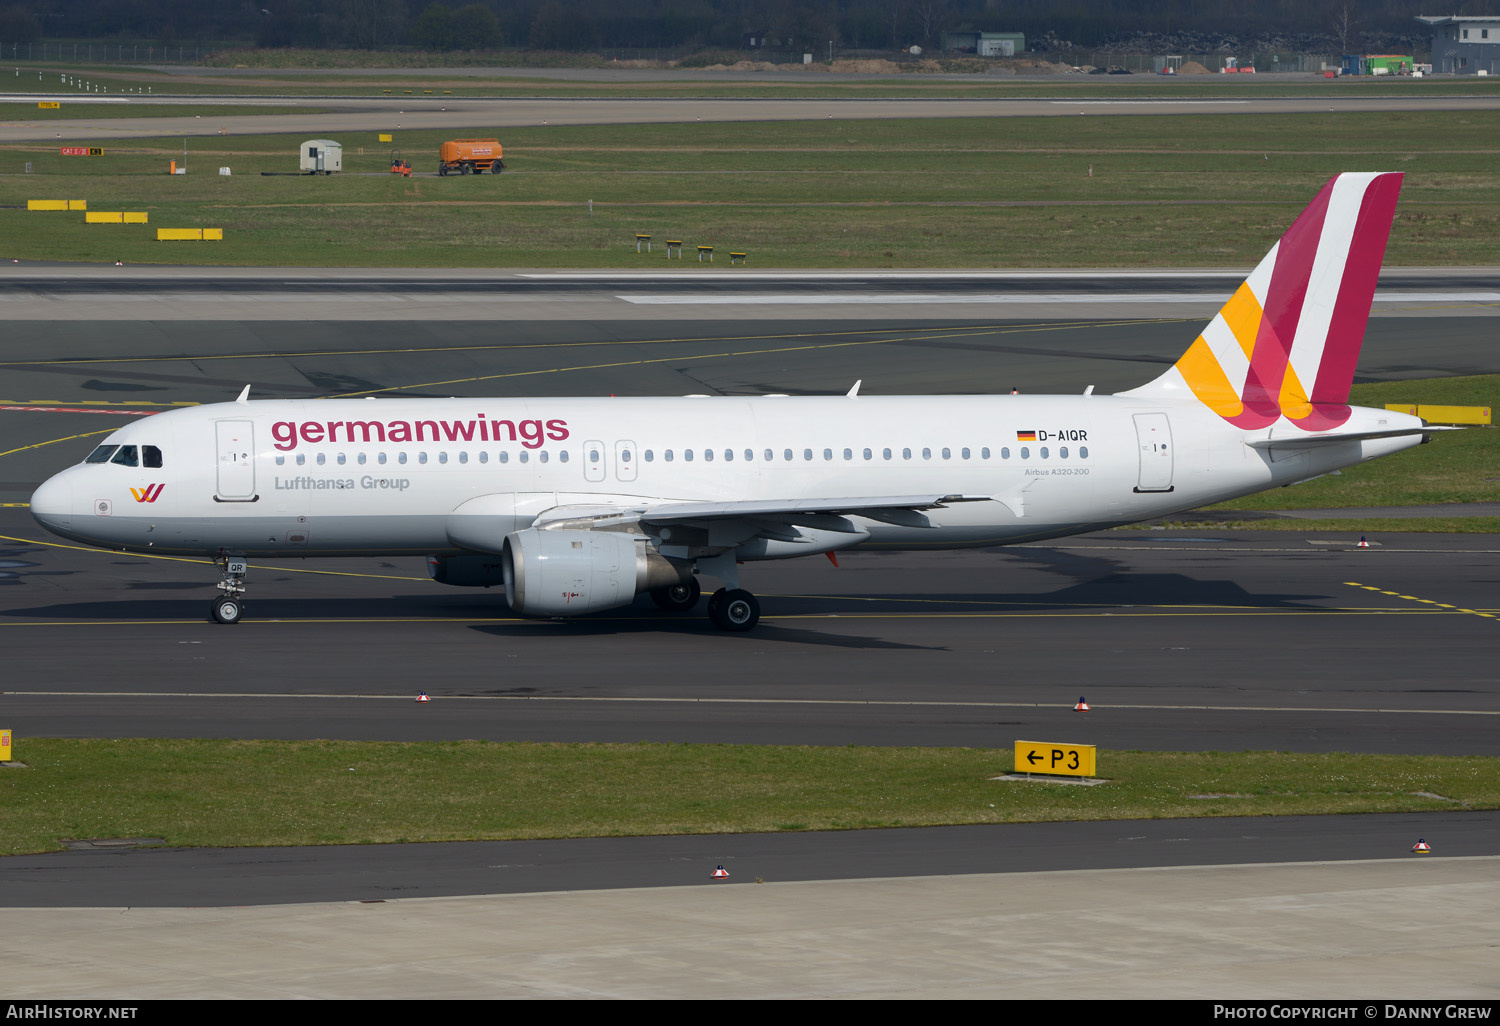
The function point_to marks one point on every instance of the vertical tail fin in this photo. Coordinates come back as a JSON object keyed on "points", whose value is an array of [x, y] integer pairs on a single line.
{"points": [[1287, 342]]}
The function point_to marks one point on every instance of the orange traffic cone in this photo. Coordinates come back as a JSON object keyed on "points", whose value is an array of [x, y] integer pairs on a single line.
{"points": [[1362, 543], [1082, 706], [720, 874], [1421, 847], [422, 697]]}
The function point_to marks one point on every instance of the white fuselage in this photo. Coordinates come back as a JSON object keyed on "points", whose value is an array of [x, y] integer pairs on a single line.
{"points": [[388, 476]]}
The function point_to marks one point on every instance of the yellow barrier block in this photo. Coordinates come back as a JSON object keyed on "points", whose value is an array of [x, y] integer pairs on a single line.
{"points": [[5, 745], [78, 204], [136, 217], [46, 204], [213, 233], [104, 217], [1454, 414], [385, 136], [178, 234], [48, 105], [1445, 414]]}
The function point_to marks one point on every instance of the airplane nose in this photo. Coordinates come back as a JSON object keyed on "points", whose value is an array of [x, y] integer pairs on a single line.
{"points": [[52, 500]]}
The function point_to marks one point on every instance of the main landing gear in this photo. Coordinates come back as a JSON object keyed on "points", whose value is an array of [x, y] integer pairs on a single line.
{"points": [[733, 609], [229, 607], [729, 609]]}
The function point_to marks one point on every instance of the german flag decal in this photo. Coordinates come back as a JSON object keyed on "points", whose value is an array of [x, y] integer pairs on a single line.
{"points": [[1025, 436]]}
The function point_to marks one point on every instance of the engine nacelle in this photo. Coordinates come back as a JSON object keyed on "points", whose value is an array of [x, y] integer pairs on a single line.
{"points": [[466, 571], [565, 573]]}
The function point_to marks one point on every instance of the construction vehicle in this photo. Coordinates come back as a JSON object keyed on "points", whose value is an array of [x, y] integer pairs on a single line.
{"points": [[399, 166], [470, 157]]}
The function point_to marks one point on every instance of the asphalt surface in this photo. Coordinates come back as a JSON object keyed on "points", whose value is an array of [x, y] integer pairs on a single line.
{"points": [[185, 877], [385, 113]]}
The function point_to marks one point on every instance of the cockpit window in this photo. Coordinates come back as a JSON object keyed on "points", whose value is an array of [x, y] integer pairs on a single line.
{"points": [[101, 454], [127, 456], [150, 456]]}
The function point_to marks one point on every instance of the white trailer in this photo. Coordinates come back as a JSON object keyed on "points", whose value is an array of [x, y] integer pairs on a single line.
{"points": [[322, 156]]}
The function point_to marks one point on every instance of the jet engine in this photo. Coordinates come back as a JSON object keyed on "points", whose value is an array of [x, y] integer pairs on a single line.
{"points": [[565, 573]]}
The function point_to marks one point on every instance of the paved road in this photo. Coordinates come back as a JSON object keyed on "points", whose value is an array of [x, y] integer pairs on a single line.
{"points": [[375, 114]]}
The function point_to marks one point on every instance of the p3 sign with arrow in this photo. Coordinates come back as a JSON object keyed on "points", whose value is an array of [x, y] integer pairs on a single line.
{"points": [[1055, 758]]}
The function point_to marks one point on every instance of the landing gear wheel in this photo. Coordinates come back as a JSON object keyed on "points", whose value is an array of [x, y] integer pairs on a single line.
{"points": [[678, 598], [736, 610], [227, 610]]}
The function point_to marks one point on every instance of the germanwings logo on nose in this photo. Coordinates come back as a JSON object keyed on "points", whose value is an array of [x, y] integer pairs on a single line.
{"points": [[148, 493]]}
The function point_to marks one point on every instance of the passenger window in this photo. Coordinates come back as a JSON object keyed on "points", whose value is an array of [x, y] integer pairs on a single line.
{"points": [[1005, 452], [542, 455], [302, 459], [401, 457], [281, 461], [770, 455], [360, 459], [927, 454], [806, 454], [687, 455], [484, 457], [463, 457], [1083, 452], [787, 455], [342, 458], [562, 457], [749, 455], [150, 456], [1043, 452], [708, 455], [984, 453], [667, 455], [504, 457], [525, 456], [650, 455], [906, 454], [380, 458], [828, 454], [886, 453], [728, 455], [422, 457], [442, 457], [321, 458], [848, 454], [869, 455], [1025, 453], [127, 456], [1062, 453], [965, 452], [101, 454], [947, 453]]}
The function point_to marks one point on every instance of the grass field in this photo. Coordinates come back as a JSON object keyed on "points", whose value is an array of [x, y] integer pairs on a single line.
{"points": [[232, 793], [964, 193], [356, 73]]}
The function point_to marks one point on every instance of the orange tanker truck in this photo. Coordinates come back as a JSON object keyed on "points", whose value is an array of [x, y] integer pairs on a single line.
{"points": [[470, 157]]}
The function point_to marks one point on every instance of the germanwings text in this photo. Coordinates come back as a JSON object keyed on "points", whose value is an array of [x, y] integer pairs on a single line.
{"points": [[530, 433]]}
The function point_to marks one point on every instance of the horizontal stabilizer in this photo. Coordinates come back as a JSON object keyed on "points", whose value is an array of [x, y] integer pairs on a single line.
{"points": [[1339, 437]]}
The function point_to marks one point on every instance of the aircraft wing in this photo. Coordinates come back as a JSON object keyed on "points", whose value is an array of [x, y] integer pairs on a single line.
{"points": [[748, 517], [873, 506]]}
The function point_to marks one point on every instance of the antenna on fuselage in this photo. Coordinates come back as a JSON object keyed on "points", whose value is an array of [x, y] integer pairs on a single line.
{"points": [[244, 396], [854, 392]]}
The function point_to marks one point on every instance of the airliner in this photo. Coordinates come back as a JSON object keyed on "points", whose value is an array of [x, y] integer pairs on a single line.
{"points": [[577, 505]]}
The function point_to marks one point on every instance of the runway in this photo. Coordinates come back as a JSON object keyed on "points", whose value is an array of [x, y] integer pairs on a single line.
{"points": [[1180, 640], [349, 114]]}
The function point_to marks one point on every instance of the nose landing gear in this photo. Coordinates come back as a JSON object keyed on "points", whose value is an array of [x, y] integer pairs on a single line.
{"points": [[229, 607]]}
